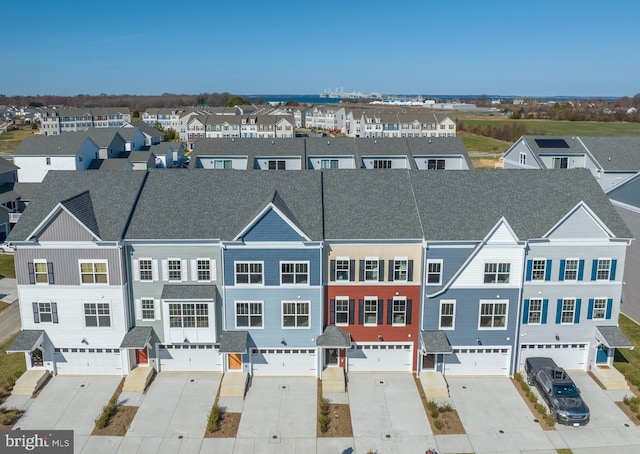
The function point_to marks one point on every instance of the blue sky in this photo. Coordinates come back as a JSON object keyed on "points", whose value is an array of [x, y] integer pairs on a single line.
{"points": [[503, 47]]}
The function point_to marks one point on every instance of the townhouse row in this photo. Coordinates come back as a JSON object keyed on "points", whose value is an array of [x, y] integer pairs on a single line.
{"points": [[288, 273]]}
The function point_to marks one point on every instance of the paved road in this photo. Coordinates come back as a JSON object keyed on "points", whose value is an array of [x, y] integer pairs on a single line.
{"points": [[9, 322]]}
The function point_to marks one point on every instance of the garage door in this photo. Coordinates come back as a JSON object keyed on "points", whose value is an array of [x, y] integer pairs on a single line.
{"points": [[478, 361], [189, 357], [283, 362], [380, 357], [88, 361], [567, 356]]}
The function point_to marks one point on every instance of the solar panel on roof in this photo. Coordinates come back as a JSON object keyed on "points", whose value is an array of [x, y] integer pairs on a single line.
{"points": [[552, 143]]}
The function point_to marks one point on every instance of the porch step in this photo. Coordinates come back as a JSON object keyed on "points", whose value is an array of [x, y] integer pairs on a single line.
{"points": [[138, 379], [30, 382], [610, 377], [234, 384], [434, 384], [333, 380]]}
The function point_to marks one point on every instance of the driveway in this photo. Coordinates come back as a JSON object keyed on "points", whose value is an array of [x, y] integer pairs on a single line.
{"points": [[387, 414], [494, 416]]}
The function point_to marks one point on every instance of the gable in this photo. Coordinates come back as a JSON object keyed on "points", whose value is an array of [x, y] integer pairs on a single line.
{"points": [[580, 224], [271, 227], [501, 235], [63, 227]]}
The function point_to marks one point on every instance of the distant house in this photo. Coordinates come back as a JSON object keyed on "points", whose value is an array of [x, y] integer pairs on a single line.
{"points": [[168, 153], [151, 135], [56, 121]]}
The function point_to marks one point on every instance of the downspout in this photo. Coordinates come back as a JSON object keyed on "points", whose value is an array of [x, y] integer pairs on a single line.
{"points": [[515, 358]]}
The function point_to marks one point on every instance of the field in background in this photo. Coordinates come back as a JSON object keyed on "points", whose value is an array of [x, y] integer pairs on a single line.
{"points": [[10, 140], [556, 128]]}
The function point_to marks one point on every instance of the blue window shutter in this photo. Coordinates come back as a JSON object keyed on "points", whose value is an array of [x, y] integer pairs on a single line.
{"points": [[594, 269], [361, 270], [545, 307], [389, 312], [580, 269], [612, 274], [54, 312], [590, 309], [561, 273], [408, 317], [410, 271], [609, 308], [332, 270], [361, 312], [390, 270], [36, 314], [352, 310], [381, 270], [525, 312], [547, 271], [380, 310], [529, 269], [559, 312], [352, 270], [576, 314], [332, 312]]}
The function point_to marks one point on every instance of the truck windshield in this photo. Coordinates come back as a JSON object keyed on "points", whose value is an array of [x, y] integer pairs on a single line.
{"points": [[568, 390]]}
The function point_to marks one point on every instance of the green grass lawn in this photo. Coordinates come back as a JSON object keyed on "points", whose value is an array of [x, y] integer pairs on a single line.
{"points": [[558, 128], [7, 268], [12, 365], [628, 361], [481, 144], [9, 141]]}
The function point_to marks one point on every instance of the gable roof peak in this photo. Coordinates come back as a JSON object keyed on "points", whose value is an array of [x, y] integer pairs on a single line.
{"points": [[81, 207]]}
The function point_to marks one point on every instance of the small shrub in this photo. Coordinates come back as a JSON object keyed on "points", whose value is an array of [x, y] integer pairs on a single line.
{"points": [[215, 416], [518, 377], [633, 408], [626, 400], [107, 411], [532, 397], [323, 420], [540, 408], [435, 413], [324, 405], [524, 386], [638, 416], [549, 419], [445, 408], [432, 405], [438, 424]]}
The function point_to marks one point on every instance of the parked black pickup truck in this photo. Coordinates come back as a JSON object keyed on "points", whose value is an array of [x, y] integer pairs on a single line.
{"points": [[558, 391]]}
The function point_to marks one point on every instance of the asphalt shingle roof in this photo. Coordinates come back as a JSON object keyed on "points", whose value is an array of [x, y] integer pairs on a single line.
{"points": [[615, 153], [137, 337], [65, 144]]}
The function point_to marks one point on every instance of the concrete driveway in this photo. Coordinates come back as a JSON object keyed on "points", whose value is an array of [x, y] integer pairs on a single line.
{"points": [[495, 417], [387, 414]]}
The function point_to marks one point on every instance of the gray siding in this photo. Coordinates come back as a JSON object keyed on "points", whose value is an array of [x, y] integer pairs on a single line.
{"points": [[631, 287], [63, 227]]}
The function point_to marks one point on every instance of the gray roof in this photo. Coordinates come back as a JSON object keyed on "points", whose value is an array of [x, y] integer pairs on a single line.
{"points": [[252, 148], [435, 342], [615, 153], [233, 341], [188, 292], [103, 137], [110, 164], [26, 340], [7, 166], [65, 144], [81, 207], [334, 337], [438, 146], [26, 190], [145, 128], [216, 208], [141, 156], [137, 337], [112, 193], [613, 337]]}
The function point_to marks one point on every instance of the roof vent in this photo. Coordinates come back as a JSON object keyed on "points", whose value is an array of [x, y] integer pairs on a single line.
{"points": [[328, 142], [609, 158], [375, 141], [272, 142]]}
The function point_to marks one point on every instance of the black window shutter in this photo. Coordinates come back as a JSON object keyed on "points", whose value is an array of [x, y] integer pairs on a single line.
{"points": [[352, 310], [332, 312], [410, 271], [54, 312], [332, 270], [352, 270], [36, 314], [380, 310], [50, 272], [408, 317], [32, 274], [389, 312], [360, 312], [361, 270], [390, 270], [381, 270]]}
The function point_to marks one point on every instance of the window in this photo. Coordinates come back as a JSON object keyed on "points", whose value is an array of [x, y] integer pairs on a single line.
{"points": [[371, 269], [249, 314], [493, 315], [434, 272], [435, 164], [371, 311], [496, 273], [535, 312], [599, 308], [40, 272], [249, 273], [277, 165], [97, 315], [188, 315], [146, 270], [523, 159], [604, 266], [45, 313], [342, 311], [295, 314], [538, 269], [148, 309], [568, 311], [382, 163], [329, 163], [571, 269], [560, 163], [342, 269], [447, 314], [222, 164], [400, 269], [48, 160], [93, 273], [175, 269], [294, 273], [204, 269], [399, 311]]}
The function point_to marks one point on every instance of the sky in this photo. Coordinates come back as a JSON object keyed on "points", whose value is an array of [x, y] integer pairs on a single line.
{"points": [[251, 47]]}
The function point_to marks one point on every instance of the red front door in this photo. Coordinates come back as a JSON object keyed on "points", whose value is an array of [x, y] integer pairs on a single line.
{"points": [[142, 356]]}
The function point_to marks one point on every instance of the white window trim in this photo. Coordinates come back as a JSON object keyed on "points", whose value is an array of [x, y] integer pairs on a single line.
{"points": [[441, 262], [142, 309], [342, 298], [46, 273], [371, 259], [393, 312], [544, 270], [609, 271], [342, 259], [195, 276], [506, 315], [80, 262], [235, 314], [194, 304], [364, 311], [154, 269], [249, 262], [529, 322], [183, 271], [400, 259], [496, 273], [566, 260], [307, 302], [453, 324], [295, 262], [604, 312], [50, 311], [84, 315], [573, 312]]}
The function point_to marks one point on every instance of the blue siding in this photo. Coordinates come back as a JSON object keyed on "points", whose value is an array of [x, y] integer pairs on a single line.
{"points": [[451, 258], [271, 227], [272, 259]]}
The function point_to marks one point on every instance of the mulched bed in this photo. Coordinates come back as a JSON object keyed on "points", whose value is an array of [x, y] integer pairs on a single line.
{"points": [[449, 421], [339, 419], [8, 418], [228, 427], [532, 408], [119, 422]]}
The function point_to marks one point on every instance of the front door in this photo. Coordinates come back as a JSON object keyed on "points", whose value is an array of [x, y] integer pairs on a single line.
{"points": [[429, 361], [235, 361], [36, 358], [602, 355], [142, 356], [331, 357]]}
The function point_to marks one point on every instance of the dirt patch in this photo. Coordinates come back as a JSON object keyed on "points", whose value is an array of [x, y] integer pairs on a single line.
{"points": [[539, 417], [8, 417], [446, 421], [634, 417], [227, 428], [119, 422], [339, 418]]}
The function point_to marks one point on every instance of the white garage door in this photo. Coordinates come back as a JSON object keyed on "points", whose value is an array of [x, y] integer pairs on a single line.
{"points": [[88, 361], [478, 361], [189, 357], [380, 357], [567, 356], [282, 362]]}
